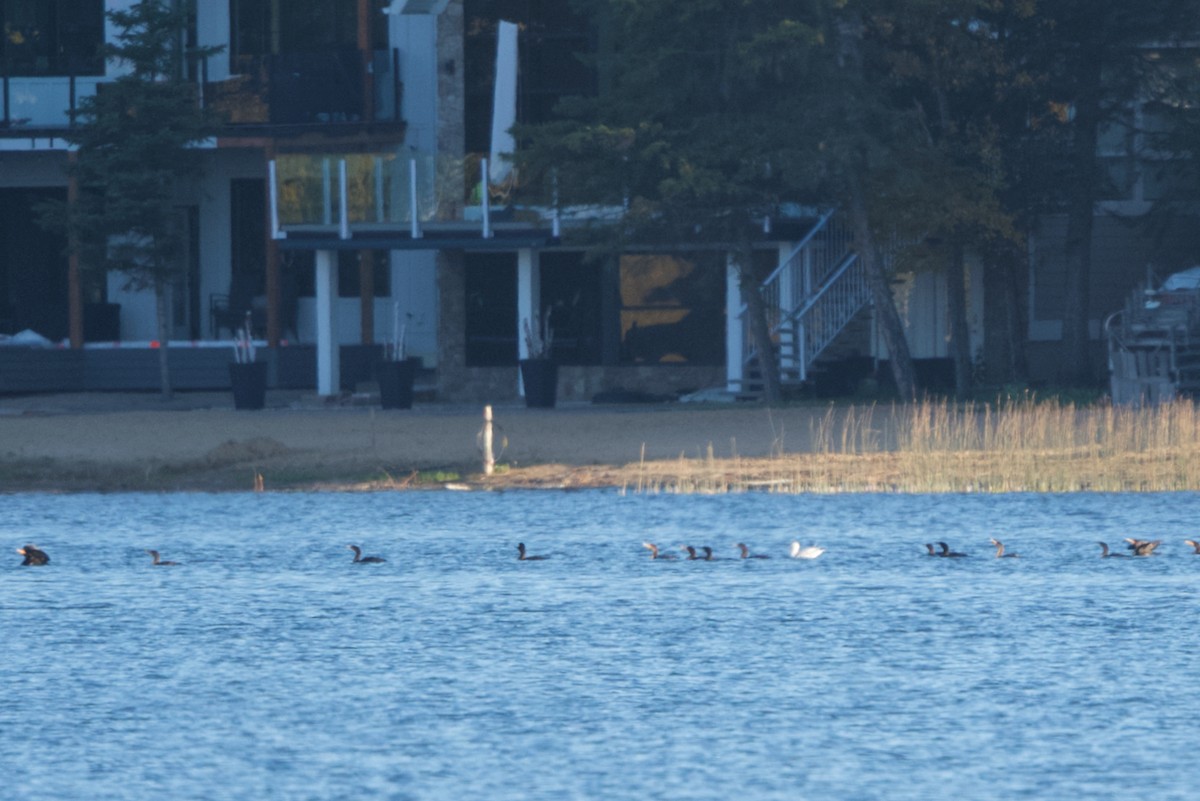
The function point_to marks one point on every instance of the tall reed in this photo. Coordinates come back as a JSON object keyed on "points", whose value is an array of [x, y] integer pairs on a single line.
{"points": [[1021, 445]]}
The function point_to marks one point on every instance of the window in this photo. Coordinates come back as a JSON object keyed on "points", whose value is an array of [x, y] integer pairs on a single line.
{"points": [[300, 267], [52, 37], [350, 273], [551, 38], [269, 27], [491, 309], [672, 308], [571, 289]]}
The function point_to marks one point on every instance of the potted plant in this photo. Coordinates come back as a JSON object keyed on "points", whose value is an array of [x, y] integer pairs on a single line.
{"points": [[398, 371], [539, 373], [247, 376]]}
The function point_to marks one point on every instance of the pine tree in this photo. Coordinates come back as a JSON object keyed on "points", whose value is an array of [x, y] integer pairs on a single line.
{"points": [[139, 141]]}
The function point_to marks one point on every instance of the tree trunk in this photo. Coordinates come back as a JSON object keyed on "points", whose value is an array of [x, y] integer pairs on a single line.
{"points": [[960, 334], [760, 329], [1076, 359], [1016, 300], [161, 298], [890, 324]]}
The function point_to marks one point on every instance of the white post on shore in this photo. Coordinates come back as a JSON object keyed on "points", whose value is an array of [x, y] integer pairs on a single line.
{"points": [[489, 460]]}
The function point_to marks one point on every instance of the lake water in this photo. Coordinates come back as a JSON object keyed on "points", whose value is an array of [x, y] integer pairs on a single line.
{"points": [[269, 666]]}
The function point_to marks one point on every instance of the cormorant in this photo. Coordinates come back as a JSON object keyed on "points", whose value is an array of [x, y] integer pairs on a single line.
{"points": [[158, 561], [359, 558], [745, 549], [947, 552], [654, 554], [34, 556], [1142, 547], [521, 557], [1104, 552]]}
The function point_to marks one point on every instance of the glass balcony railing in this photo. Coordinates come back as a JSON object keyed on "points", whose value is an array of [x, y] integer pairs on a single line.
{"points": [[326, 87], [396, 189], [42, 102]]}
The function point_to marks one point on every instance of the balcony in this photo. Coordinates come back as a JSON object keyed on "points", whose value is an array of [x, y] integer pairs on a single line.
{"points": [[400, 198], [38, 103], [302, 90], [332, 87]]}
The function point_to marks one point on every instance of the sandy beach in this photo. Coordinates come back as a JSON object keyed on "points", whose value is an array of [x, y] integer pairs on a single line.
{"points": [[119, 441]]}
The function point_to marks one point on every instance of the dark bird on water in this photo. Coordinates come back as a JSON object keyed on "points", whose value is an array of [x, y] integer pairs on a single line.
{"points": [[522, 557], [359, 558], [1000, 554], [691, 552], [708, 554], [947, 552], [158, 561], [745, 549], [34, 556], [654, 554], [929, 547], [1142, 547], [1195, 545], [1105, 554]]}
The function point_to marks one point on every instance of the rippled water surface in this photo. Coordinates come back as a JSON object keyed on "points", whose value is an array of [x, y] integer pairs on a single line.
{"points": [[269, 666]]}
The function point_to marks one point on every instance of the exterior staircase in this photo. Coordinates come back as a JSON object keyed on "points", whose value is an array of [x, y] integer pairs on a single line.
{"points": [[811, 298], [1154, 347]]}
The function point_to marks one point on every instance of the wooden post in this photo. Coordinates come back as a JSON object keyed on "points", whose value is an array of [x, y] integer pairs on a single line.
{"points": [[489, 460], [366, 294], [364, 51]]}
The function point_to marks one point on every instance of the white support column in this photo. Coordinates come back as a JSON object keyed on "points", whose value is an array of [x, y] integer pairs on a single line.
{"points": [[328, 363], [529, 301], [735, 330]]}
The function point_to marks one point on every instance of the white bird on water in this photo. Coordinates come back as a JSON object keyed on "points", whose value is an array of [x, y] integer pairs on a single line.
{"points": [[806, 551]]}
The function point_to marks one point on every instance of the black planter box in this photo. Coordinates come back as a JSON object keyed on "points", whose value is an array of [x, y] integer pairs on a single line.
{"points": [[249, 383], [396, 382], [540, 377]]}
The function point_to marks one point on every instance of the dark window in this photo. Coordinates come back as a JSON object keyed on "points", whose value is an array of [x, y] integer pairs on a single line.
{"points": [[491, 309], [248, 240], [33, 269], [551, 38], [572, 289], [270, 27], [672, 308], [52, 37], [300, 267], [350, 273]]}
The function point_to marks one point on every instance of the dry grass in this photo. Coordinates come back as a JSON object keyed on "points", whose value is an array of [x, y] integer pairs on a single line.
{"points": [[939, 446]]}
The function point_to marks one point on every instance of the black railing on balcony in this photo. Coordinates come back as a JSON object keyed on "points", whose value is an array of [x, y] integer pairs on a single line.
{"points": [[319, 88]]}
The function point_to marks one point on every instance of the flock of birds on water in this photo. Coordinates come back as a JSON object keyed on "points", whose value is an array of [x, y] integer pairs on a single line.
{"points": [[36, 557]]}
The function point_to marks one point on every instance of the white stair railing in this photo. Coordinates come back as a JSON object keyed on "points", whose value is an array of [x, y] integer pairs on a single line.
{"points": [[810, 297], [814, 326]]}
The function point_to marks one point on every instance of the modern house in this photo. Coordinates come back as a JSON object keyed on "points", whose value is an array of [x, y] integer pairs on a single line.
{"points": [[346, 192]]}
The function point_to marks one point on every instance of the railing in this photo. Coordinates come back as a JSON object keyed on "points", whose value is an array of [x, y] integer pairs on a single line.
{"points": [[341, 86], [810, 297], [36, 102], [320, 88], [388, 189], [815, 325]]}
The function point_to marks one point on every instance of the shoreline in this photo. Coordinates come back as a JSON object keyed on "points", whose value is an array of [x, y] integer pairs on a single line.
{"points": [[112, 442], [136, 443]]}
